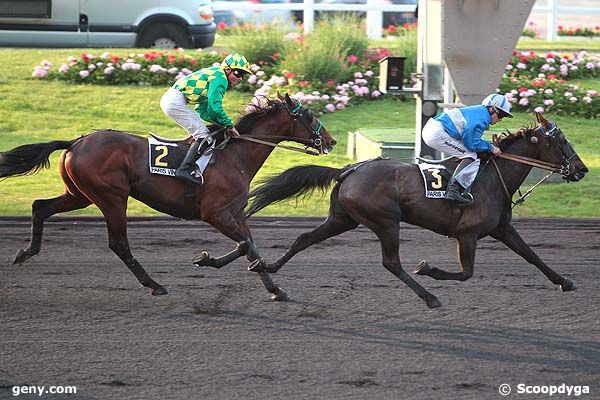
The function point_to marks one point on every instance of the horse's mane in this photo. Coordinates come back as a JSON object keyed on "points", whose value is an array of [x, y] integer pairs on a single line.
{"points": [[254, 111], [507, 138]]}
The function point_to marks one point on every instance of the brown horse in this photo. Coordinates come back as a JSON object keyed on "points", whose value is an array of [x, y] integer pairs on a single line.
{"points": [[381, 194], [107, 167]]}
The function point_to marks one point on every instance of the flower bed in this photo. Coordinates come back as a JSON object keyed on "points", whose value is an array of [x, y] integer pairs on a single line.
{"points": [[532, 81], [540, 83]]}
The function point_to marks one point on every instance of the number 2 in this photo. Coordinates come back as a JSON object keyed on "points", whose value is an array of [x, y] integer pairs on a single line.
{"points": [[159, 158]]}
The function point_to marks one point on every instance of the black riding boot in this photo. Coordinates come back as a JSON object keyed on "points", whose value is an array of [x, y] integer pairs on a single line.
{"points": [[455, 191], [188, 166]]}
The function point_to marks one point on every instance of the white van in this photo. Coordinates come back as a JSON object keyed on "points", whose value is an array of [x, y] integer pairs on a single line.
{"points": [[107, 23]]}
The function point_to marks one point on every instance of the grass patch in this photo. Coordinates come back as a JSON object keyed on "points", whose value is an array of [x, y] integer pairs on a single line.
{"points": [[32, 111]]}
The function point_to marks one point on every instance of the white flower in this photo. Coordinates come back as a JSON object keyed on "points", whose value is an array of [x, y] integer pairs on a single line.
{"points": [[548, 91], [106, 54], [260, 73], [549, 102], [84, 74], [358, 75], [109, 70], [509, 67], [568, 94], [325, 97], [589, 65], [587, 100], [531, 92], [369, 74], [539, 109], [252, 79], [521, 66], [173, 70], [573, 99], [550, 60], [91, 67], [155, 68]]}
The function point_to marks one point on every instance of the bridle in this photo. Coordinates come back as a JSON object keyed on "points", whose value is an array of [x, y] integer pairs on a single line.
{"points": [[553, 133], [304, 115]]}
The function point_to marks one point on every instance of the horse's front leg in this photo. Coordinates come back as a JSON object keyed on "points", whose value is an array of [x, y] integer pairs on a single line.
{"points": [[466, 254], [510, 237], [239, 232]]}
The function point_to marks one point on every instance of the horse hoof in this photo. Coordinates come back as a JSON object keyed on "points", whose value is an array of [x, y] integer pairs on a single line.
{"points": [[257, 266], [567, 285], [159, 291], [203, 260], [21, 257], [280, 295], [433, 302], [422, 268]]}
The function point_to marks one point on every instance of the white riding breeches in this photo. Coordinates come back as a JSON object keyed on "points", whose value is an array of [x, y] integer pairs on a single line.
{"points": [[435, 136], [173, 104]]}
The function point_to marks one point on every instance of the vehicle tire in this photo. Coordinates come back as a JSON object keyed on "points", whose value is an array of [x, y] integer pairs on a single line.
{"points": [[164, 35]]}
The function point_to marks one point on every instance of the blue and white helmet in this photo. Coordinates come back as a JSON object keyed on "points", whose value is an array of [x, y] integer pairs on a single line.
{"points": [[499, 102]]}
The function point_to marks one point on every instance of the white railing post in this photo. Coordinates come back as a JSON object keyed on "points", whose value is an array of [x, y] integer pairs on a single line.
{"points": [[374, 21], [552, 20], [309, 15]]}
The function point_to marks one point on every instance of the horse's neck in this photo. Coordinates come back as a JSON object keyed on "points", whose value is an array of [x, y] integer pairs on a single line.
{"points": [[514, 173], [251, 156]]}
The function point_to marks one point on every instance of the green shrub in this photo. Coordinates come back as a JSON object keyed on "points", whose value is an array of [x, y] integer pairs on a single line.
{"points": [[345, 31], [317, 60], [262, 45]]}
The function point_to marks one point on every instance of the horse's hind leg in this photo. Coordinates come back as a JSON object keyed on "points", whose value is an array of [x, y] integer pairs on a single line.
{"points": [[511, 238], [41, 210], [466, 246], [388, 234]]}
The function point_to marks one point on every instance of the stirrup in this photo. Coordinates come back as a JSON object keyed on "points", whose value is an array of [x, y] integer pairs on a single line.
{"points": [[186, 175]]}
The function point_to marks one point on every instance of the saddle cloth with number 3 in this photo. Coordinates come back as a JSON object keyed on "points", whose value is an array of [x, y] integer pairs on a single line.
{"points": [[435, 178]]}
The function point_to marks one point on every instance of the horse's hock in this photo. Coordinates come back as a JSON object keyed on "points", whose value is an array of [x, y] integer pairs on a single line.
{"points": [[399, 144]]}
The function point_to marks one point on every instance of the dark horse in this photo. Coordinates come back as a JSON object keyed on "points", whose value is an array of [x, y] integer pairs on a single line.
{"points": [[107, 167], [381, 194]]}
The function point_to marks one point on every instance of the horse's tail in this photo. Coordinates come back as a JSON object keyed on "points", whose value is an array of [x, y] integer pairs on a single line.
{"points": [[30, 158], [294, 182]]}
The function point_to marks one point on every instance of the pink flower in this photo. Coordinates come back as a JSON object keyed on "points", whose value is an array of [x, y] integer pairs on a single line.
{"points": [[539, 110], [330, 108], [524, 101], [63, 69], [352, 59], [84, 74], [39, 72], [375, 93]]}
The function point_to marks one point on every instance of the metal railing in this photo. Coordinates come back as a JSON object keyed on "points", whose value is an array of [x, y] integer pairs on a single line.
{"points": [[553, 10], [373, 8]]}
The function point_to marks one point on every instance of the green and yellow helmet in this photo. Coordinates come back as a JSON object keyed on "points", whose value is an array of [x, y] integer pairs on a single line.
{"points": [[236, 61]]}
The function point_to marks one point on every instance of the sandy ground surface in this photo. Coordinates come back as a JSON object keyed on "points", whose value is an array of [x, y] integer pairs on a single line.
{"points": [[74, 315]]}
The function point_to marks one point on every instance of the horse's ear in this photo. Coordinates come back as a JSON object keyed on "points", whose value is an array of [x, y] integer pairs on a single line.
{"points": [[541, 120], [279, 96], [288, 100]]}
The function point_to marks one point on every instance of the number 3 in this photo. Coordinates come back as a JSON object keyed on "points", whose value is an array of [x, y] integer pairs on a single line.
{"points": [[436, 174]]}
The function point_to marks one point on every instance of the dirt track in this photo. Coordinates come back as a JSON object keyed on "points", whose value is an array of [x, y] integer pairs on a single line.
{"points": [[74, 315]]}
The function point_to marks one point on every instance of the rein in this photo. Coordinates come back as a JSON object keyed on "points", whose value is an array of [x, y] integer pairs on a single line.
{"points": [[282, 146], [531, 161]]}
